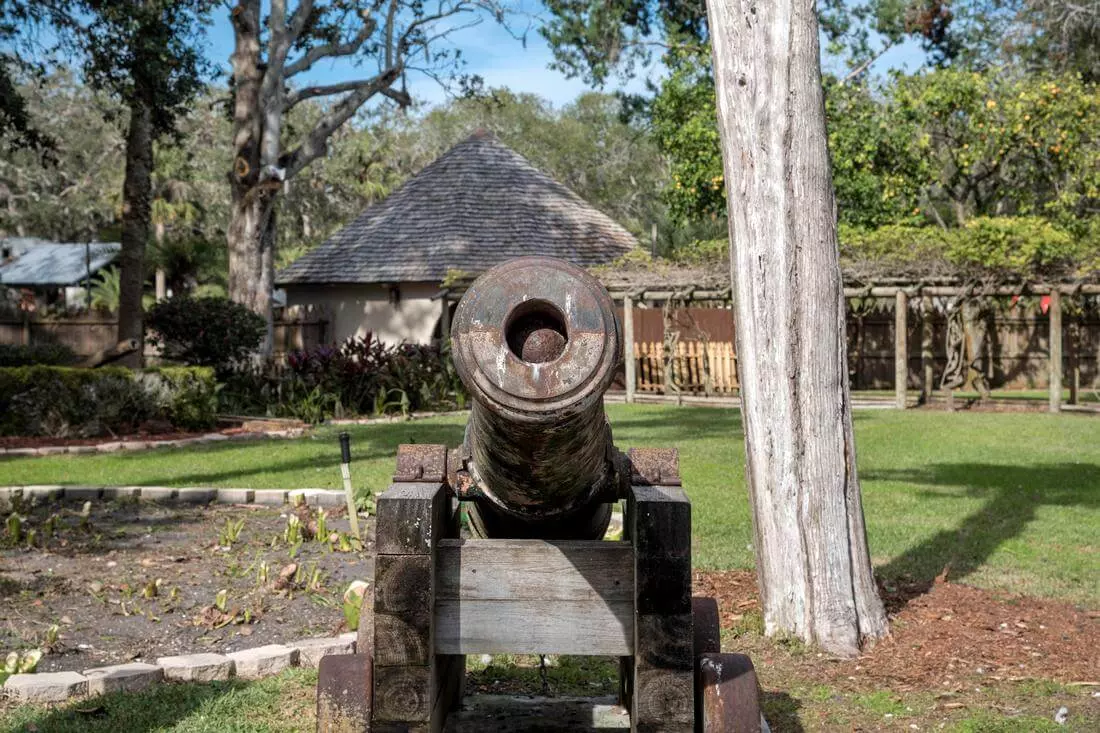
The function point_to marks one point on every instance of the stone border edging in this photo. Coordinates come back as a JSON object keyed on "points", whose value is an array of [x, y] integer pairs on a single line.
{"points": [[190, 495], [248, 664], [137, 445]]}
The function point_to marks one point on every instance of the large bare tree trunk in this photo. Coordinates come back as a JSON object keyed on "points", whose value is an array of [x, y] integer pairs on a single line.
{"points": [[813, 564], [136, 214]]}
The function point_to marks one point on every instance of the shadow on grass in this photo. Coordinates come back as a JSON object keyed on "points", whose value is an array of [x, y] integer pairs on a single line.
{"points": [[781, 712], [213, 706], [1012, 493]]}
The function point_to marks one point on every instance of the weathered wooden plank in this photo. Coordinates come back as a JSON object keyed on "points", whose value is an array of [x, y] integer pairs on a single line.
{"points": [[901, 348], [663, 690], [593, 627], [534, 570], [410, 518]]}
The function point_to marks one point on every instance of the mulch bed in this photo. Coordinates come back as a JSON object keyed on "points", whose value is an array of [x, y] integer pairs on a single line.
{"points": [[952, 635], [91, 579]]}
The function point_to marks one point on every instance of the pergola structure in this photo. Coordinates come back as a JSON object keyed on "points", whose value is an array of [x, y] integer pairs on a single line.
{"points": [[708, 286]]}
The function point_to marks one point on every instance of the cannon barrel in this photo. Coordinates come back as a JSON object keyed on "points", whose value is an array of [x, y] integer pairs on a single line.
{"points": [[536, 342]]}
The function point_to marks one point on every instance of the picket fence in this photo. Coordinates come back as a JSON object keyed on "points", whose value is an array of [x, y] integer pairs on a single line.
{"points": [[688, 367]]}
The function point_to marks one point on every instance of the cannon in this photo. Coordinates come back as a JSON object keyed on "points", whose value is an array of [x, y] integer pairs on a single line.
{"points": [[537, 343]]}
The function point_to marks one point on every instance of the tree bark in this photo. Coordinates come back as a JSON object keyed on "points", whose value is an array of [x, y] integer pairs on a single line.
{"points": [[249, 214], [136, 214], [813, 563]]}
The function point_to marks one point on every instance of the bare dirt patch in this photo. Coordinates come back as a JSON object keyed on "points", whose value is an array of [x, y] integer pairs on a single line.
{"points": [[135, 581]]}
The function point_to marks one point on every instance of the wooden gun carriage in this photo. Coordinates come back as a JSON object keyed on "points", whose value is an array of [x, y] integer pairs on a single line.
{"points": [[536, 342]]}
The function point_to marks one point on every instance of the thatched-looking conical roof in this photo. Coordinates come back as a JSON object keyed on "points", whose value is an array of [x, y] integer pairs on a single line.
{"points": [[477, 205]]}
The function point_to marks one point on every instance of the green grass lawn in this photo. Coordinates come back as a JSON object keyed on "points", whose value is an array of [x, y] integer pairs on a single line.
{"points": [[1009, 501], [283, 704]]}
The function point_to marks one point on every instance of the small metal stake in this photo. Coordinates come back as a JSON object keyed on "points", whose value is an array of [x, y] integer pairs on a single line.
{"points": [[345, 471]]}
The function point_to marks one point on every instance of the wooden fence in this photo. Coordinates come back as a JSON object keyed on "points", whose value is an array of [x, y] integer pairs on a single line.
{"points": [[698, 367], [90, 333]]}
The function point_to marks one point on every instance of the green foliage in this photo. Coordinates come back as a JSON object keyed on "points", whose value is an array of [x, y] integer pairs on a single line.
{"points": [[1007, 247], [147, 53], [14, 355], [362, 376], [213, 332], [67, 402], [20, 663], [1002, 143], [106, 288], [188, 395], [685, 127]]}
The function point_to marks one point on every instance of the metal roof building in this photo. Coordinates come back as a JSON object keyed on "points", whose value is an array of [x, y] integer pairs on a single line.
{"points": [[36, 263]]}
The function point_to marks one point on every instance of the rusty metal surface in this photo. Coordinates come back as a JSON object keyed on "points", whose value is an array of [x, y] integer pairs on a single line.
{"points": [[728, 695], [345, 693], [418, 463], [706, 626], [536, 342], [654, 466]]}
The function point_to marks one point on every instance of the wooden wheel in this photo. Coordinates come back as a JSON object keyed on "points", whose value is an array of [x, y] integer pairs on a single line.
{"points": [[345, 693], [728, 695]]}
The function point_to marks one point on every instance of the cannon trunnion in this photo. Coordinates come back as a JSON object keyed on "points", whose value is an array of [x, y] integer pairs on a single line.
{"points": [[537, 343]]}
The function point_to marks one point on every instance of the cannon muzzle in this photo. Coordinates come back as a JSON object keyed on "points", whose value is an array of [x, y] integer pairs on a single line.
{"points": [[536, 342]]}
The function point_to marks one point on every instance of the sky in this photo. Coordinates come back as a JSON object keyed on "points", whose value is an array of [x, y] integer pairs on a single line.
{"points": [[502, 60]]}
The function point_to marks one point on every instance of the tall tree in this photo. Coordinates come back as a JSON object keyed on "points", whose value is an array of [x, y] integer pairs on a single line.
{"points": [[813, 563], [270, 58], [146, 53]]}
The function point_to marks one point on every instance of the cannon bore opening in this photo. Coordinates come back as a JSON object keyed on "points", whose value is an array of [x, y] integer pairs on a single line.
{"points": [[535, 331]]}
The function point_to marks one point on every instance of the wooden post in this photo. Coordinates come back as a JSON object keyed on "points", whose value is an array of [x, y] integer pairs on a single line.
{"points": [[1074, 359], [662, 679], [628, 347], [901, 347], [161, 285], [927, 354], [1055, 350], [410, 680], [445, 320]]}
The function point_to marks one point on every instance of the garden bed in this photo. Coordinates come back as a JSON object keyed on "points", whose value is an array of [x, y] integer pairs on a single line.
{"points": [[96, 580]]}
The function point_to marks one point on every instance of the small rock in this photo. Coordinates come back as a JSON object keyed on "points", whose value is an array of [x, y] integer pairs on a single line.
{"points": [[264, 661], [310, 651], [1062, 715], [197, 667], [122, 677], [46, 686]]}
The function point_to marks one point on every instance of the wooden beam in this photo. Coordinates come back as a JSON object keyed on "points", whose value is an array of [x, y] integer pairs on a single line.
{"points": [[628, 347], [408, 677], [658, 519], [534, 597], [901, 347], [1055, 314], [927, 352]]}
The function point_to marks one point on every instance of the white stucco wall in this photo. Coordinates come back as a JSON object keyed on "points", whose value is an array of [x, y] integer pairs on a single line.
{"points": [[355, 310]]}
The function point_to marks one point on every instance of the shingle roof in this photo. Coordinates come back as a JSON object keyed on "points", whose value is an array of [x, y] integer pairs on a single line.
{"points": [[35, 262], [477, 205]]}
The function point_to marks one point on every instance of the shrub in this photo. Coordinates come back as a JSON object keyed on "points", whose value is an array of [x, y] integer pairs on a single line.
{"points": [[67, 402], [213, 332], [188, 395], [12, 355], [362, 376]]}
